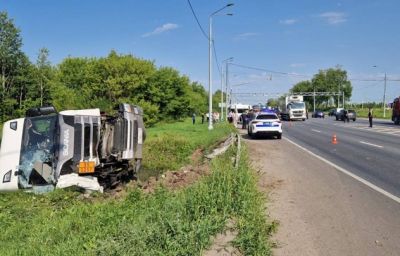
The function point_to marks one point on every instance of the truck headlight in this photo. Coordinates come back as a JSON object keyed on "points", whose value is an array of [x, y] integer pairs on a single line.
{"points": [[7, 177]]}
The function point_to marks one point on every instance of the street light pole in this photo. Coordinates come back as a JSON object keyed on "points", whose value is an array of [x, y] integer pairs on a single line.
{"points": [[226, 87], [384, 94], [210, 124], [384, 97], [210, 42]]}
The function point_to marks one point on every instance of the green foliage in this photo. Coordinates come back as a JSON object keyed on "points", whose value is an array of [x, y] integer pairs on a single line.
{"points": [[163, 223], [169, 146], [377, 112], [104, 82], [273, 102], [329, 80]]}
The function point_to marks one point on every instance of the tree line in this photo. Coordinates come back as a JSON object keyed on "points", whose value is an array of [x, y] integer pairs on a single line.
{"points": [[332, 80], [100, 82]]}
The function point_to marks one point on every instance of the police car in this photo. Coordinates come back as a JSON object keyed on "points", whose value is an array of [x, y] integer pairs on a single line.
{"points": [[265, 122]]}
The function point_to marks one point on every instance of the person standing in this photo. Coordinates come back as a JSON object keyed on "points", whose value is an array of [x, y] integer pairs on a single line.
{"points": [[345, 116], [244, 120], [230, 117], [202, 118], [194, 118], [370, 117]]}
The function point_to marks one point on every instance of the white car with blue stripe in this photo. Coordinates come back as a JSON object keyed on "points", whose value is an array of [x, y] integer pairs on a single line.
{"points": [[267, 123]]}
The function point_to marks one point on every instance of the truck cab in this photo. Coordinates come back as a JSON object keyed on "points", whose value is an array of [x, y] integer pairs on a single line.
{"points": [[293, 108], [37, 150]]}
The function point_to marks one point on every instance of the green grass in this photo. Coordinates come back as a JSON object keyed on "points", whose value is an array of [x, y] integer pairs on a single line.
{"points": [[169, 146], [163, 223], [377, 112]]}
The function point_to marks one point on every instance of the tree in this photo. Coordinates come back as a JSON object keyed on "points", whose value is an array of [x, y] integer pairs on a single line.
{"points": [[273, 102], [11, 59], [330, 80], [43, 67]]}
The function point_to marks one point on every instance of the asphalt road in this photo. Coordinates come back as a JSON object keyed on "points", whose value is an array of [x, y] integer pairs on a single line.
{"points": [[370, 153], [321, 210]]}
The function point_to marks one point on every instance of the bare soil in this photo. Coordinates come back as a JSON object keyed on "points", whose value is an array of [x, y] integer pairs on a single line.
{"points": [[175, 180]]}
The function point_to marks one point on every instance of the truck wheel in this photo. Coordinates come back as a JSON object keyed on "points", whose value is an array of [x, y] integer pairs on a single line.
{"points": [[279, 136], [304, 119], [354, 120]]}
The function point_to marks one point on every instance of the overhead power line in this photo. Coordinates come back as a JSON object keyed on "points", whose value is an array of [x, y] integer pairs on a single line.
{"points": [[206, 36], [216, 59], [197, 20], [307, 76], [269, 71]]}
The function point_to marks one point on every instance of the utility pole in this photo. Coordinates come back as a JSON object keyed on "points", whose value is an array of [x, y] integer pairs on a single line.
{"points": [[222, 96], [226, 87], [338, 96], [343, 98], [210, 41], [384, 97], [314, 99]]}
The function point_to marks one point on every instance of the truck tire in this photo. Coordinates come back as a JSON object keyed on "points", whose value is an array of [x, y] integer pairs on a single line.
{"points": [[279, 136]]}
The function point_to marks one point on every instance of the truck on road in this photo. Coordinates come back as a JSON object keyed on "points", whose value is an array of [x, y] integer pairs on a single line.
{"points": [[45, 148], [293, 108]]}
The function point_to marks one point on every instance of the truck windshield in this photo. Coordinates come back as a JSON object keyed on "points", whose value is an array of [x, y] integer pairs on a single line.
{"points": [[297, 105], [38, 146]]}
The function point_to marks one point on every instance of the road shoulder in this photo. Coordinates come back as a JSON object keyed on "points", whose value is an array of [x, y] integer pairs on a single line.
{"points": [[322, 211]]}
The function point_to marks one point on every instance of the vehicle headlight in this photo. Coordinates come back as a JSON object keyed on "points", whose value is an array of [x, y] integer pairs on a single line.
{"points": [[7, 177]]}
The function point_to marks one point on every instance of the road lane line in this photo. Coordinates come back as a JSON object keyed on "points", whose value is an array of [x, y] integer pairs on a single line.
{"points": [[315, 130], [365, 182], [370, 144]]}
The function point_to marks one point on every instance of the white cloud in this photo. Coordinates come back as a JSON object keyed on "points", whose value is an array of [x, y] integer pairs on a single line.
{"points": [[164, 28], [297, 65], [246, 35], [333, 17], [288, 21]]}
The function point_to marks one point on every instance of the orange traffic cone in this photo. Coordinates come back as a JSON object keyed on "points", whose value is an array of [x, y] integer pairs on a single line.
{"points": [[334, 140]]}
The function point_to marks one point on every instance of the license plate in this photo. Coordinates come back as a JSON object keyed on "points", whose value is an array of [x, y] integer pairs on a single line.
{"points": [[267, 123]]}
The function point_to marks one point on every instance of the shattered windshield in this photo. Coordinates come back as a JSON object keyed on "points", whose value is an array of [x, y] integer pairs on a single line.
{"points": [[37, 151]]}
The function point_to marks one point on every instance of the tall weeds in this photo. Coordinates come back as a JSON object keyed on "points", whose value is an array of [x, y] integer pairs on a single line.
{"points": [[163, 223]]}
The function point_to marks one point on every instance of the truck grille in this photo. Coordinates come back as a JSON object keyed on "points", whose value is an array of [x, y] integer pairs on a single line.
{"points": [[298, 113]]}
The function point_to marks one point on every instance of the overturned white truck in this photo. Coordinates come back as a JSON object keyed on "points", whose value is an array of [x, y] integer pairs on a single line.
{"points": [[47, 149]]}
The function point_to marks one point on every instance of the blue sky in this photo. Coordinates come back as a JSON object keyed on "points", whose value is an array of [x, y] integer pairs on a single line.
{"points": [[296, 37]]}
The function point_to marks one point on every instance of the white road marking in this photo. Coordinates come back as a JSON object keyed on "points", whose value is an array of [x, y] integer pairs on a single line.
{"points": [[365, 182], [370, 144], [315, 130]]}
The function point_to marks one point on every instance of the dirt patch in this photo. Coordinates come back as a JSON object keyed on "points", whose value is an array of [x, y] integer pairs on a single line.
{"points": [[175, 180], [197, 156], [222, 243]]}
